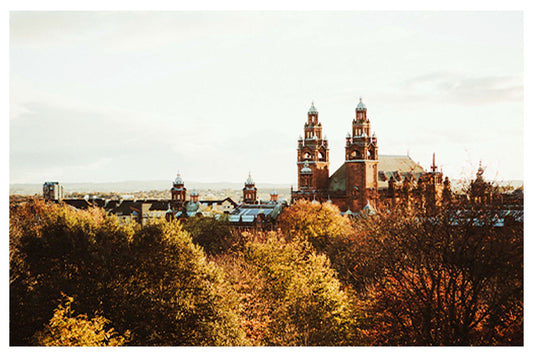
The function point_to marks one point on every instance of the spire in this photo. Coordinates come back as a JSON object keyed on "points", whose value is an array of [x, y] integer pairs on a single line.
{"points": [[480, 170], [312, 109], [249, 180], [434, 167]]}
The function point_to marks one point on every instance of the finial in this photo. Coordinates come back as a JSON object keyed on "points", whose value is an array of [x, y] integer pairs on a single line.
{"points": [[360, 99], [434, 167]]}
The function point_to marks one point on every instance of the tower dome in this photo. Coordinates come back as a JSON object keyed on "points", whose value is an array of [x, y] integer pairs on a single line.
{"points": [[178, 180], [312, 110], [361, 106], [249, 180]]}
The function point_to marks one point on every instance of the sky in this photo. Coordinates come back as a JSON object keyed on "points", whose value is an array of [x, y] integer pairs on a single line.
{"points": [[116, 96]]}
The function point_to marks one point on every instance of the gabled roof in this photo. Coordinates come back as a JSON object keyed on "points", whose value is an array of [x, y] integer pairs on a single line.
{"points": [[77, 203], [219, 202], [337, 181], [401, 163], [126, 207], [111, 204], [397, 165], [388, 165]]}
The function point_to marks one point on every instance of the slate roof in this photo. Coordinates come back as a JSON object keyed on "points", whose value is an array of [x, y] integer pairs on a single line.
{"points": [[159, 205], [218, 202], [388, 165], [397, 165], [126, 207], [77, 203]]}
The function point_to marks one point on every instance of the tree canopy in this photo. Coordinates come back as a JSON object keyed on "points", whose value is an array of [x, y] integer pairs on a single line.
{"points": [[152, 281]]}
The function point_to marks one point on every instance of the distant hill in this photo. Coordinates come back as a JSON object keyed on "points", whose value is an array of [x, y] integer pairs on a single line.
{"points": [[159, 185], [135, 186]]}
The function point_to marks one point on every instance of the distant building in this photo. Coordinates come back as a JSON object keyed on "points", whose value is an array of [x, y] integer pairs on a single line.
{"points": [[253, 213], [261, 216], [249, 192], [365, 181], [52, 191], [225, 205]]}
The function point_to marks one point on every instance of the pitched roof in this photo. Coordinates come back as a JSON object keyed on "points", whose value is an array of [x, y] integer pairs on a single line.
{"points": [[219, 202], [337, 181], [77, 203], [388, 165], [161, 205], [401, 163]]}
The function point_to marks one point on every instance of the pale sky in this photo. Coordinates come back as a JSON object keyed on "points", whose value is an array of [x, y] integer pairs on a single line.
{"points": [[112, 96]]}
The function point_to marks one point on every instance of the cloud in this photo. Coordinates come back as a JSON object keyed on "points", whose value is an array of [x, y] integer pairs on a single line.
{"points": [[459, 88]]}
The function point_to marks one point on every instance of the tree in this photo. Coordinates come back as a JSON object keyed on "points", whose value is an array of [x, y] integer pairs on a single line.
{"points": [[290, 295], [450, 279], [172, 295], [152, 280], [54, 249], [322, 225], [66, 330], [214, 235], [319, 223]]}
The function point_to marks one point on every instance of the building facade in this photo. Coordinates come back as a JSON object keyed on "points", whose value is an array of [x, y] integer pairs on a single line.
{"points": [[52, 191], [366, 180]]}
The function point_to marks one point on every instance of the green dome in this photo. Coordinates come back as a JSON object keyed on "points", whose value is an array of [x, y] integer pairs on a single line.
{"points": [[312, 110]]}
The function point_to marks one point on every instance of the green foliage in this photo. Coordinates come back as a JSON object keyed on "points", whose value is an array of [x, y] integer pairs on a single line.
{"points": [[290, 295], [322, 225], [214, 235], [173, 296], [54, 249], [152, 280], [407, 279], [66, 330], [319, 223]]}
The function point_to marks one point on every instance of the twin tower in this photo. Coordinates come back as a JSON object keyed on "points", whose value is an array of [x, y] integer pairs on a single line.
{"points": [[354, 185]]}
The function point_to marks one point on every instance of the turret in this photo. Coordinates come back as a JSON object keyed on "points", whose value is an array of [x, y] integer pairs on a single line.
{"points": [[361, 160], [249, 192], [313, 149]]}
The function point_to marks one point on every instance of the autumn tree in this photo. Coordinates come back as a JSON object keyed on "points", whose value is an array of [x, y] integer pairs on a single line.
{"points": [[153, 281], [322, 225], [212, 234], [54, 249], [65, 329], [451, 279], [172, 295], [290, 294]]}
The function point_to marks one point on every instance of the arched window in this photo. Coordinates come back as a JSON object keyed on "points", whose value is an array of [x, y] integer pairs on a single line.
{"points": [[355, 155]]}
